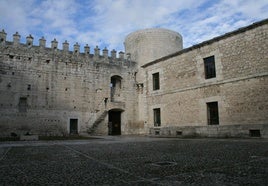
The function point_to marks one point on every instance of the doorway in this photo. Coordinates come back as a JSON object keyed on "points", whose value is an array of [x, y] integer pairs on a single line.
{"points": [[213, 113], [115, 86], [114, 125], [73, 126]]}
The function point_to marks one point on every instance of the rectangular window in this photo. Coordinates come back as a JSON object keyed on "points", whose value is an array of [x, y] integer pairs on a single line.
{"points": [[23, 104], [213, 114], [210, 70], [156, 81], [157, 117]]}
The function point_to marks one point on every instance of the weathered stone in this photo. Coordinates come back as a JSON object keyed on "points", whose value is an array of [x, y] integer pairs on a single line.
{"points": [[49, 91]]}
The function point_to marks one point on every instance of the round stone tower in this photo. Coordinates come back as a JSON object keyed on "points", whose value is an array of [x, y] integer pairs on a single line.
{"points": [[150, 44]]}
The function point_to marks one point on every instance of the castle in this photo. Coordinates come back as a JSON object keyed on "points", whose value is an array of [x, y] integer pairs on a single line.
{"points": [[217, 88]]}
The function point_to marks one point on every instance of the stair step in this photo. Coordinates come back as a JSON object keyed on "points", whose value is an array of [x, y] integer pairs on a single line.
{"points": [[97, 122]]}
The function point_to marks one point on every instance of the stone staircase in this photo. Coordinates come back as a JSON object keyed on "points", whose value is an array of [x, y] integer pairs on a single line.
{"points": [[92, 129]]}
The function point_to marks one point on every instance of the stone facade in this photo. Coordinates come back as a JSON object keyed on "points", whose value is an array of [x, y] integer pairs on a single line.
{"points": [[239, 87], [43, 89], [47, 91]]}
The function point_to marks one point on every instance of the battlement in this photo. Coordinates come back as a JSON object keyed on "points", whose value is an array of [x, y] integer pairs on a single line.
{"points": [[97, 55]]}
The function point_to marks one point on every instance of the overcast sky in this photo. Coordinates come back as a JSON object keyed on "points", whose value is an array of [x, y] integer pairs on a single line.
{"points": [[106, 22]]}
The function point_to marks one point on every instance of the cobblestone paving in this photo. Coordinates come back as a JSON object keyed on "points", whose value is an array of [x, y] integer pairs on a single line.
{"points": [[135, 161]]}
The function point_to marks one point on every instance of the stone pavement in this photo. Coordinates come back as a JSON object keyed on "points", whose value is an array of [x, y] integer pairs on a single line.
{"points": [[135, 161]]}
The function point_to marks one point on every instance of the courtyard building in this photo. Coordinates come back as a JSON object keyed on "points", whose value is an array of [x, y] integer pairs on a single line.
{"points": [[217, 88]]}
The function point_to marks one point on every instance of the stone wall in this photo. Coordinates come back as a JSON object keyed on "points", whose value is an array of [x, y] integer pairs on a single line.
{"points": [[59, 85], [240, 85], [43, 89]]}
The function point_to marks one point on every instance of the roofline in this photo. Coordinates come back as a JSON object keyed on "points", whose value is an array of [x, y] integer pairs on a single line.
{"points": [[215, 39]]}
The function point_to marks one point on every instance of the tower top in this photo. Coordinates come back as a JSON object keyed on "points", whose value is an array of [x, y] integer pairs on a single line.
{"points": [[153, 43]]}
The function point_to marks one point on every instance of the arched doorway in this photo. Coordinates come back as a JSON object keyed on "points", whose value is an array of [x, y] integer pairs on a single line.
{"points": [[115, 85], [114, 125]]}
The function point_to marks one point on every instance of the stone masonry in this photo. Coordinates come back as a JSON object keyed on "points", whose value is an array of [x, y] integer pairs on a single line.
{"points": [[157, 88], [239, 88], [59, 85]]}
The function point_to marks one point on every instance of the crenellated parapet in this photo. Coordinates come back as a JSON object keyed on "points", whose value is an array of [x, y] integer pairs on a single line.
{"points": [[98, 55], [42, 42], [3, 36]]}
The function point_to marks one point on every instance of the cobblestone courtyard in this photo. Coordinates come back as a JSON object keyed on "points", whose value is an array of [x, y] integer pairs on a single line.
{"points": [[135, 161]]}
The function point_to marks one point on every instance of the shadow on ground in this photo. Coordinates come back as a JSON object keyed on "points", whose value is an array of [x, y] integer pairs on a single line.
{"points": [[135, 161]]}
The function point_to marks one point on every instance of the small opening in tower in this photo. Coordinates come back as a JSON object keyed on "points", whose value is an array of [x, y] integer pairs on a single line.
{"points": [[47, 61]]}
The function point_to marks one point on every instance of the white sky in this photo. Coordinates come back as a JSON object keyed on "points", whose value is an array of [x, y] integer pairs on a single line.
{"points": [[106, 22]]}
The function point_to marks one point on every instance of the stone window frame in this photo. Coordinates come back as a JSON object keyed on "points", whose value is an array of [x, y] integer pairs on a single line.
{"points": [[68, 124], [150, 80], [118, 80], [210, 67], [157, 117], [215, 106], [203, 114], [156, 81], [201, 69]]}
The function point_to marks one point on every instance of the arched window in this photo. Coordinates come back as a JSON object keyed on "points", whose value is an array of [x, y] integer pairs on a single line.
{"points": [[115, 85]]}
